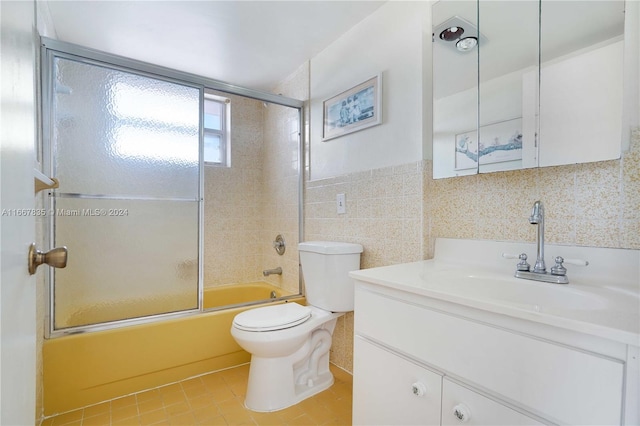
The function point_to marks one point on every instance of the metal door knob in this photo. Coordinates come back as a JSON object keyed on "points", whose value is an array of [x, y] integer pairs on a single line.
{"points": [[56, 257]]}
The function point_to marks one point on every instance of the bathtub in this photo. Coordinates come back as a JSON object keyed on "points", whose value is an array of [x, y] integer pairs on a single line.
{"points": [[84, 369]]}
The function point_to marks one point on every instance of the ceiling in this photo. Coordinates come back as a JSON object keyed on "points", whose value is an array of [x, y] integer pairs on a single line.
{"points": [[253, 44]]}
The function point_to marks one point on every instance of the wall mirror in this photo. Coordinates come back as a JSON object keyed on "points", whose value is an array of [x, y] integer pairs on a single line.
{"points": [[543, 86]]}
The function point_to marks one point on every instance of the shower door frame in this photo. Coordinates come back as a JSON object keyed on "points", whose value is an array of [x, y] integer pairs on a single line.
{"points": [[51, 48]]}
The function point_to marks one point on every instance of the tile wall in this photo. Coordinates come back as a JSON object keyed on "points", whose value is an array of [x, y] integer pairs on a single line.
{"points": [[233, 201], [592, 204], [397, 213]]}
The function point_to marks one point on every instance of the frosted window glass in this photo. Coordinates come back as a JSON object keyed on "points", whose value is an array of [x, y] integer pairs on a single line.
{"points": [[119, 133], [127, 259], [212, 148]]}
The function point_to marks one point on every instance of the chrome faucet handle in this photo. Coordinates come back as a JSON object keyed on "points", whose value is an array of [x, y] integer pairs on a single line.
{"points": [[558, 269], [522, 265]]}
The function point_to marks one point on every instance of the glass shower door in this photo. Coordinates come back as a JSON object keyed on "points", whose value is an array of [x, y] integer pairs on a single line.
{"points": [[125, 148]]}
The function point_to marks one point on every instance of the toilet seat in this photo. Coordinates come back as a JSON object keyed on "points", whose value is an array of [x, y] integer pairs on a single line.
{"points": [[272, 318]]}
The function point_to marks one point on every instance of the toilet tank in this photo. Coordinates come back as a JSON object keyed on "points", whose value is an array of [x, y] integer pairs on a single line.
{"points": [[325, 268]]}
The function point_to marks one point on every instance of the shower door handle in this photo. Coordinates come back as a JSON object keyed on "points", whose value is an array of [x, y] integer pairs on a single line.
{"points": [[56, 257]]}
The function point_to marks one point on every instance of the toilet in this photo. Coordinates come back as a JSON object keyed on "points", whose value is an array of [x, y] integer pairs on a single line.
{"points": [[289, 343]]}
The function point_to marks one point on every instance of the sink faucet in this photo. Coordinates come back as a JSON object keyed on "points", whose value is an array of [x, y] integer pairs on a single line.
{"points": [[537, 218], [558, 274]]}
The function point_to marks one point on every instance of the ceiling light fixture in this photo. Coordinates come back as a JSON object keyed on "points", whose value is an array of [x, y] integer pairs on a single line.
{"points": [[451, 33], [466, 44]]}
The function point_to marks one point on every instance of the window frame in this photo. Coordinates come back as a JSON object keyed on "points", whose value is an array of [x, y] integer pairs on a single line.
{"points": [[224, 133]]}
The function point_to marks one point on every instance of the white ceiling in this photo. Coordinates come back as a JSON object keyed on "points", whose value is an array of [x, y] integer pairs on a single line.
{"points": [[254, 44]]}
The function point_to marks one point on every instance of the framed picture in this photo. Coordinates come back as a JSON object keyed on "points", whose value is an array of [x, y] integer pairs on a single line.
{"points": [[355, 109], [499, 142]]}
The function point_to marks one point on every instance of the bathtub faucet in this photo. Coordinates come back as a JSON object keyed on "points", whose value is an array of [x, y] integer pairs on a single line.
{"points": [[277, 271]]}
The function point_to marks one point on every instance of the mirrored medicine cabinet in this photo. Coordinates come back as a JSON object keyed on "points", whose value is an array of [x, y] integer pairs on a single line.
{"points": [[522, 84]]}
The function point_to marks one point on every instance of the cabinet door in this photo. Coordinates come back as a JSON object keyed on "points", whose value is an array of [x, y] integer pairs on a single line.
{"points": [[390, 390], [461, 405]]}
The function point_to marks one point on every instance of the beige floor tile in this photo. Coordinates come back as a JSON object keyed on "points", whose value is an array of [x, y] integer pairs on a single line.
{"points": [[175, 397], [131, 421], [179, 408], [153, 417], [151, 395], [213, 399], [150, 405], [206, 413], [97, 409], [129, 411], [183, 419], [103, 419], [67, 418], [303, 420], [123, 402], [195, 390]]}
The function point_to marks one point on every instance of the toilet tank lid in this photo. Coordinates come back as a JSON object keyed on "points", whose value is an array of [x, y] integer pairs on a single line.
{"points": [[330, 247]]}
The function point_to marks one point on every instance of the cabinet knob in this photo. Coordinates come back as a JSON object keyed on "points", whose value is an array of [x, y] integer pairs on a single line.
{"points": [[419, 389], [462, 413]]}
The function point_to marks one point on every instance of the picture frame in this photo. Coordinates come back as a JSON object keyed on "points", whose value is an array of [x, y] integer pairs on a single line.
{"points": [[499, 142], [353, 110]]}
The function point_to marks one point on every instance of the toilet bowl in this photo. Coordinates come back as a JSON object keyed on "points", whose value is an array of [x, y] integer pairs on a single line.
{"points": [[289, 343], [287, 364]]}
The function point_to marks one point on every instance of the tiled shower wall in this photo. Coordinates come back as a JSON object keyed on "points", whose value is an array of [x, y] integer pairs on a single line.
{"points": [[281, 180], [233, 208], [255, 199]]}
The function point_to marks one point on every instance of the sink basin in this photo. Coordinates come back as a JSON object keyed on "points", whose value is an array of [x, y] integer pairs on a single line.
{"points": [[527, 294]]}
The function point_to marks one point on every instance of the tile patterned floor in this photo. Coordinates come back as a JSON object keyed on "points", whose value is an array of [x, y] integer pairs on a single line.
{"points": [[213, 399]]}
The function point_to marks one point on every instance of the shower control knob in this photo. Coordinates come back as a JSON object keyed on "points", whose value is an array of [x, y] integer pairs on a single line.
{"points": [[462, 413], [279, 245], [419, 389]]}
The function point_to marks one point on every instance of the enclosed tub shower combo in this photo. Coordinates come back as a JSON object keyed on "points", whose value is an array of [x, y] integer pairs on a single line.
{"points": [[168, 208]]}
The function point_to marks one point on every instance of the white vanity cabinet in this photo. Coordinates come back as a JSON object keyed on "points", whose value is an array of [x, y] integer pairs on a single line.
{"points": [[392, 390], [462, 405], [446, 342], [420, 360]]}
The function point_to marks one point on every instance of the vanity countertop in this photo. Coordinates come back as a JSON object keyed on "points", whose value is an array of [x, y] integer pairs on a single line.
{"points": [[603, 301]]}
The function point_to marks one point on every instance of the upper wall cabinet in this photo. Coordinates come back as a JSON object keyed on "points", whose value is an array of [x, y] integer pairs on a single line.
{"points": [[526, 84]]}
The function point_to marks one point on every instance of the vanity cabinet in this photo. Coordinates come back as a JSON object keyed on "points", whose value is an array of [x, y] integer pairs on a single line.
{"points": [[475, 367], [390, 389]]}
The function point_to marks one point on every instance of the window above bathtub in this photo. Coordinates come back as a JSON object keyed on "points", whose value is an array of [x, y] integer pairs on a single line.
{"points": [[217, 113]]}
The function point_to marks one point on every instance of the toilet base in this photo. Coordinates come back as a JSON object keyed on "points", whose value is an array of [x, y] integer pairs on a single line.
{"points": [[276, 383], [266, 396]]}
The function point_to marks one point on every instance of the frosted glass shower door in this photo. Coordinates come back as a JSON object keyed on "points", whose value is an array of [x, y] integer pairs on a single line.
{"points": [[125, 148]]}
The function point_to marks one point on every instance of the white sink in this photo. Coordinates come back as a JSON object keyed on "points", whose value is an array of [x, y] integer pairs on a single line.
{"points": [[602, 299], [537, 296]]}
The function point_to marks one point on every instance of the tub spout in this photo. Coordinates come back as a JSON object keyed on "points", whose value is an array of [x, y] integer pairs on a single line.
{"points": [[276, 271]]}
